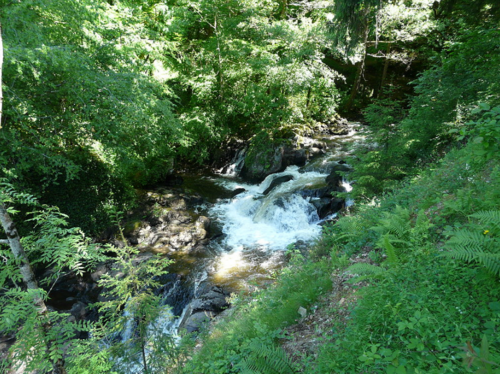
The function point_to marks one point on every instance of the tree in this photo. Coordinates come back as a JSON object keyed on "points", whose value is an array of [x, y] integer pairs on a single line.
{"points": [[40, 320], [244, 68], [82, 106], [361, 26]]}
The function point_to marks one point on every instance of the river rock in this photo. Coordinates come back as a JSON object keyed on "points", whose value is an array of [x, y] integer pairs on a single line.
{"points": [[335, 178], [214, 300], [237, 191], [210, 301], [276, 182], [330, 206], [197, 321], [79, 311], [336, 126], [175, 229], [264, 164]]}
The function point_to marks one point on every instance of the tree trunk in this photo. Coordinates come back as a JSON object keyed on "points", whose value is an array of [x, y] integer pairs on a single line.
{"points": [[386, 67], [143, 350], [359, 72], [284, 8], [220, 78], [17, 250]]}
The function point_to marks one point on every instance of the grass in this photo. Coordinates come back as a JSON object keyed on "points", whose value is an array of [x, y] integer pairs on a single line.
{"points": [[424, 313]]}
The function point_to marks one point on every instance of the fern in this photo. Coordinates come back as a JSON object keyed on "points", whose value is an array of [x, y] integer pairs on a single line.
{"points": [[392, 257], [396, 223], [491, 218], [349, 228], [480, 243], [364, 271], [266, 359]]}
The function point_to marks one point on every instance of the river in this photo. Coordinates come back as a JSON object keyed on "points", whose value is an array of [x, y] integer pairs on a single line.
{"points": [[251, 229]]}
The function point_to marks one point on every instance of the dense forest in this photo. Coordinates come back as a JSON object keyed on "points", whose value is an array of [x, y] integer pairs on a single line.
{"points": [[103, 100]]}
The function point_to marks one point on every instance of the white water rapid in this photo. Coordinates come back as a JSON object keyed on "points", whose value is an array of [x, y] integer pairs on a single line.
{"points": [[252, 219]]}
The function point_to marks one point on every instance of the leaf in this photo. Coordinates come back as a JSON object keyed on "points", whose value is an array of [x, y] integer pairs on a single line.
{"points": [[484, 106], [495, 305]]}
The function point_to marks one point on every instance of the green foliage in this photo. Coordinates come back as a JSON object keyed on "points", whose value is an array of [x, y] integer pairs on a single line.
{"points": [[479, 242], [446, 97], [363, 271], [79, 107], [131, 301], [35, 345], [244, 68], [259, 320], [484, 132], [41, 337], [265, 359], [415, 318]]}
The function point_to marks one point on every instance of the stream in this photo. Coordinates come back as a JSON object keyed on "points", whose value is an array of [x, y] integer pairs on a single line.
{"points": [[251, 227]]}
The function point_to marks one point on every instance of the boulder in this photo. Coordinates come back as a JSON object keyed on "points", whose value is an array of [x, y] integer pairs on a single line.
{"points": [[203, 222], [276, 182], [237, 191], [265, 163], [214, 301], [334, 180], [197, 321], [336, 126], [330, 206]]}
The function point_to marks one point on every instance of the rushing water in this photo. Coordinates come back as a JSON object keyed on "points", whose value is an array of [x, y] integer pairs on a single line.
{"points": [[255, 227]]}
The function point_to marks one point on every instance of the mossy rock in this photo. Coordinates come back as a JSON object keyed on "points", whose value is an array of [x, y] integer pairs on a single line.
{"points": [[131, 227]]}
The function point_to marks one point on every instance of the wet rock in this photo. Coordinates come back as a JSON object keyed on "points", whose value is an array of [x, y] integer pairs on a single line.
{"points": [[209, 301], [79, 311], [100, 270], [237, 192], [335, 178], [336, 126], [214, 300], [264, 163], [330, 206], [315, 193], [203, 222], [178, 204], [177, 217], [276, 182], [197, 321], [299, 157]]}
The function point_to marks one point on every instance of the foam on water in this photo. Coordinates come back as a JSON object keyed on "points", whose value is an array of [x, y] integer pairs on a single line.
{"points": [[270, 221]]}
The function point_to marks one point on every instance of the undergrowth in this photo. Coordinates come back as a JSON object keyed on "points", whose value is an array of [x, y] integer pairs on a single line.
{"points": [[428, 296], [430, 301], [258, 321]]}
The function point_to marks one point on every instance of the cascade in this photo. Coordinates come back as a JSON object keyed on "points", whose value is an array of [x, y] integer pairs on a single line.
{"points": [[256, 225]]}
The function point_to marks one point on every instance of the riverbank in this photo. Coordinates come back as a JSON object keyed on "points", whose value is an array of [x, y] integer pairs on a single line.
{"points": [[405, 298]]}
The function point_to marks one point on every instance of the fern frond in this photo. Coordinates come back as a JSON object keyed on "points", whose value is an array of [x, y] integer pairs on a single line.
{"points": [[392, 257], [479, 244], [488, 216], [396, 223], [466, 238], [266, 359], [490, 261]]}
